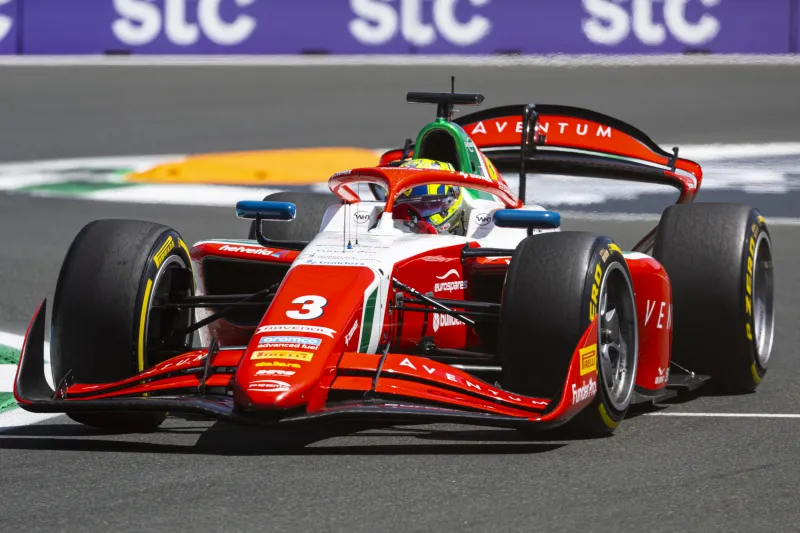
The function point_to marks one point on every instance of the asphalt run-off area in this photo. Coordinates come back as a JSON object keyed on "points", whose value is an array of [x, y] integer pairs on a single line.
{"points": [[74, 144]]}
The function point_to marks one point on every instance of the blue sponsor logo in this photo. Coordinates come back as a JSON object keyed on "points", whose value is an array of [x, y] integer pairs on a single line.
{"points": [[290, 340]]}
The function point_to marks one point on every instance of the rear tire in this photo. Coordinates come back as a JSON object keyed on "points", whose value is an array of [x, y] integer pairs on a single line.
{"points": [[311, 209], [104, 328], [719, 260], [554, 288]]}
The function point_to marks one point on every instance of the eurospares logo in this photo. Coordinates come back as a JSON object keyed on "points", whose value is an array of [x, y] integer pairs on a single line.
{"points": [[450, 286], [282, 354]]}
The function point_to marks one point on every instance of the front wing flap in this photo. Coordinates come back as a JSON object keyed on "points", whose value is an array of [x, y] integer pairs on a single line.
{"points": [[406, 389]]}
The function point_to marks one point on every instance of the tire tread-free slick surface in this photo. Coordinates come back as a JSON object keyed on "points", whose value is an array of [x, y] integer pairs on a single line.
{"points": [[97, 309], [704, 248], [545, 312]]}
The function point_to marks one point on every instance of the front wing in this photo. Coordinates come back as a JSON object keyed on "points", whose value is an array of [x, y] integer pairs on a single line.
{"points": [[394, 387]]}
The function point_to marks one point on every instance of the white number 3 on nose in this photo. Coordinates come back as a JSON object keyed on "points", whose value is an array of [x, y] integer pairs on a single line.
{"points": [[311, 307]]}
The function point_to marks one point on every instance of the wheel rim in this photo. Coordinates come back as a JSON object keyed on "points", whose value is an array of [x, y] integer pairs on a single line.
{"points": [[763, 299], [617, 336], [161, 321]]}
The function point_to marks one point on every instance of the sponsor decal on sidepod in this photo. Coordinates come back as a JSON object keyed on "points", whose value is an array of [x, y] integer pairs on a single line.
{"points": [[250, 250], [450, 286], [445, 321], [349, 336]]}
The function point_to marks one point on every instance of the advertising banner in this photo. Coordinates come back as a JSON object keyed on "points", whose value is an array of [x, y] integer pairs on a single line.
{"points": [[402, 26], [8, 27]]}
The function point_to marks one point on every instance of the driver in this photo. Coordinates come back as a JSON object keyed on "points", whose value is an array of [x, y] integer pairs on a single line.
{"points": [[434, 209]]}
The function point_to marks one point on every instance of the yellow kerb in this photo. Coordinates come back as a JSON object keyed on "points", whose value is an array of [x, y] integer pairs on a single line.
{"points": [[270, 167]]}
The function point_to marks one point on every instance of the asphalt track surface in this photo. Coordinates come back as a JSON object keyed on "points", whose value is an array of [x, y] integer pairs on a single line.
{"points": [[655, 474]]}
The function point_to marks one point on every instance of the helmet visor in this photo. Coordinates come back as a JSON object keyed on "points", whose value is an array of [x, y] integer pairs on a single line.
{"points": [[429, 205]]}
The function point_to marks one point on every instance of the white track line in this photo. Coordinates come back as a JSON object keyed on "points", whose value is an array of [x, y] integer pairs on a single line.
{"points": [[551, 60], [704, 153], [11, 339], [15, 341], [7, 375], [19, 417], [726, 415]]}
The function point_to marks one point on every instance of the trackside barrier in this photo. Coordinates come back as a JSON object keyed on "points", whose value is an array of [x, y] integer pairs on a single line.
{"points": [[398, 26]]}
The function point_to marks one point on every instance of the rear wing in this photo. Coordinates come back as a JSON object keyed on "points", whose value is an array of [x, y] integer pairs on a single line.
{"points": [[557, 139]]}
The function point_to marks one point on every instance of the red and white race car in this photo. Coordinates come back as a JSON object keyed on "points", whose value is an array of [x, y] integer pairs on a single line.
{"points": [[359, 310]]}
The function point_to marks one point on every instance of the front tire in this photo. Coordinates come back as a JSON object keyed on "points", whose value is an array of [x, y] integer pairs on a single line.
{"points": [[719, 260], [105, 327], [556, 284]]}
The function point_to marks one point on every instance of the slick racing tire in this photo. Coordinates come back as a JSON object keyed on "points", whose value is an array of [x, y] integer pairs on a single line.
{"points": [[311, 209], [105, 324], [719, 260], [557, 283]]}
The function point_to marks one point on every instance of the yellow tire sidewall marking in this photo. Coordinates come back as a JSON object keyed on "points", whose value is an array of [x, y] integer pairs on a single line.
{"points": [[143, 324]]}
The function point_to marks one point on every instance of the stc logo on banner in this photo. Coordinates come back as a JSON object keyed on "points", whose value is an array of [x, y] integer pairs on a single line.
{"points": [[379, 21], [6, 23], [142, 22], [610, 21]]}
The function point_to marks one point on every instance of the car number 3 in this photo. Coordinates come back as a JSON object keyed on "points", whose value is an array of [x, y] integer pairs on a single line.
{"points": [[311, 307]]}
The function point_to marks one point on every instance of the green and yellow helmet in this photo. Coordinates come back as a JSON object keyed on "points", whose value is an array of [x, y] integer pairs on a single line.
{"points": [[441, 206]]}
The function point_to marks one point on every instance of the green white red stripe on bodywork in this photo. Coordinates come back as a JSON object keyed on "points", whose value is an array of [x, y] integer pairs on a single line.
{"points": [[371, 318]]}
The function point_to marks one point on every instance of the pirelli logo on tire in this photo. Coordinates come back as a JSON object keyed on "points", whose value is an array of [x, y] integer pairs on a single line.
{"points": [[748, 282], [597, 279], [165, 249]]}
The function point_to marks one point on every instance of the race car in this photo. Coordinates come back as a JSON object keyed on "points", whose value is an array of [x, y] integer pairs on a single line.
{"points": [[421, 290]]}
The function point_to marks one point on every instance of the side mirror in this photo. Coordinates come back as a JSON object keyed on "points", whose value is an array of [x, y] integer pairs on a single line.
{"points": [[525, 218], [266, 210], [280, 211]]}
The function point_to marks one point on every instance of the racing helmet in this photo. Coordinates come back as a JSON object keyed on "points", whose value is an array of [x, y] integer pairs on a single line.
{"points": [[439, 206]]}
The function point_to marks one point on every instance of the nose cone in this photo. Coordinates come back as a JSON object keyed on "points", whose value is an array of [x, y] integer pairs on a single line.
{"points": [[309, 323], [273, 383]]}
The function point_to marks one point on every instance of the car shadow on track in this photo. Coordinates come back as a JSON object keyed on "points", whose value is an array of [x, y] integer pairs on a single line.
{"points": [[231, 440]]}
